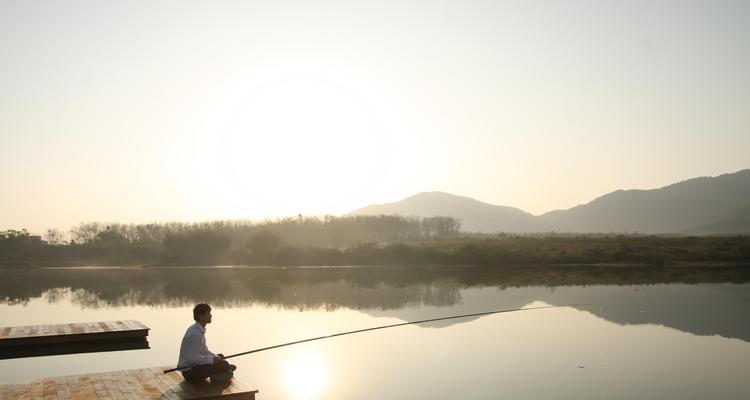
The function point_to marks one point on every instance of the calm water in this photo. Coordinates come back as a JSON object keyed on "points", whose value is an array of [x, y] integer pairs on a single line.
{"points": [[647, 340]]}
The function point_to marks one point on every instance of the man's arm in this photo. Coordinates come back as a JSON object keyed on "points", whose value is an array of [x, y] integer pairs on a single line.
{"points": [[193, 348], [206, 351]]}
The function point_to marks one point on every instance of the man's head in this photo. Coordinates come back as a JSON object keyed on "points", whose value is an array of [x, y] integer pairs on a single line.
{"points": [[202, 313]]}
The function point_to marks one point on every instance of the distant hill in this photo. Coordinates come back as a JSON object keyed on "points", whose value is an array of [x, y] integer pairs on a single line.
{"points": [[707, 205], [475, 215]]}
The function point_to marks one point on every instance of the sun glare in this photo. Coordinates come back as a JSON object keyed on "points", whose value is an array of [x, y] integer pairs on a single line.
{"points": [[305, 373], [300, 137]]}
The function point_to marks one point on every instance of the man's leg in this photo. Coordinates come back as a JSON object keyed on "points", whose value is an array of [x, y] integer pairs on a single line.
{"points": [[197, 373], [201, 372]]}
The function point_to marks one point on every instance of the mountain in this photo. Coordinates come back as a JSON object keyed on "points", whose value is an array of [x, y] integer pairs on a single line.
{"points": [[707, 205], [475, 215], [699, 205]]}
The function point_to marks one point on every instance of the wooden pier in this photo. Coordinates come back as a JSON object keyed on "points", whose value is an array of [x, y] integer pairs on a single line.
{"points": [[60, 334], [71, 348], [149, 383]]}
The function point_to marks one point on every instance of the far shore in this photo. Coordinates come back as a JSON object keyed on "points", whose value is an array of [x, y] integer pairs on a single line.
{"points": [[678, 264], [268, 249]]}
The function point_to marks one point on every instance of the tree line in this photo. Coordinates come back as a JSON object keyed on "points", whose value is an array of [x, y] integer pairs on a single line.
{"points": [[217, 242], [376, 240]]}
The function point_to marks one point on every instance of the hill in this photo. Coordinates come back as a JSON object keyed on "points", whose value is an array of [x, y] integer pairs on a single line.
{"points": [[706, 205], [476, 216]]}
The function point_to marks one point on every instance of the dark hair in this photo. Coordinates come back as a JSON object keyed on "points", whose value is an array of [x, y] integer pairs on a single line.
{"points": [[200, 309]]}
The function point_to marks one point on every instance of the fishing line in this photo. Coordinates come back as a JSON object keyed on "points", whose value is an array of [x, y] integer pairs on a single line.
{"points": [[388, 326]]}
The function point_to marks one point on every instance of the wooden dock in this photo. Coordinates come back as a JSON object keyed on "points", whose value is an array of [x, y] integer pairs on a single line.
{"points": [[71, 348], [149, 383], [85, 332]]}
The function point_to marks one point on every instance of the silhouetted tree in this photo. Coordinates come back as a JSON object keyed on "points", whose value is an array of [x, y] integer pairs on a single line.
{"points": [[197, 247], [86, 232], [262, 246], [54, 236]]}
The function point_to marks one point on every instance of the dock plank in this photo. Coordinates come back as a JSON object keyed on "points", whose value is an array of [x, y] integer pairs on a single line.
{"points": [[136, 384], [147, 377], [5, 332], [110, 382], [63, 391], [23, 391], [37, 390], [49, 389], [175, 391], [79, 332], [5, 391]]}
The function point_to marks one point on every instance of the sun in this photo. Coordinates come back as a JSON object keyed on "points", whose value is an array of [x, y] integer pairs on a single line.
{"points": [[296, 138], [305, 373]]}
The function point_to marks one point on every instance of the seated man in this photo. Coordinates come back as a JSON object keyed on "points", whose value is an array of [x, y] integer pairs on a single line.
{"points": [[196, 362]]}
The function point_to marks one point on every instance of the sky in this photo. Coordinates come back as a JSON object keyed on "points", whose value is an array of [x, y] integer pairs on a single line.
{"points": [[145, 111]]}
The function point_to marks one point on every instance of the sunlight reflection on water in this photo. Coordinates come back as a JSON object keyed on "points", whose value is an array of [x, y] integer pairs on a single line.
{"points": [[305, 373]]}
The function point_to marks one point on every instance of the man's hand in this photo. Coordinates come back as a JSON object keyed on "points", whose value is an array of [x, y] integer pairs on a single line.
{"points": [[217, 359], [221, 356]]}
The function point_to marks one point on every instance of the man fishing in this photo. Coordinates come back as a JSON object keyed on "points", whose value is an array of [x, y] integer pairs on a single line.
{"points": [[196, 362], [221, 358]]}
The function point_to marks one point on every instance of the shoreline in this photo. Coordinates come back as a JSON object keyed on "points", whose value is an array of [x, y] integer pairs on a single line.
{"points": [[599, 265]]}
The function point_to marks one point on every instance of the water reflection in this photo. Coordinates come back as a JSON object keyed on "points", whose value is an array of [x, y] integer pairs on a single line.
{"points": [[305, 372], [652, 339], [630, 295]]}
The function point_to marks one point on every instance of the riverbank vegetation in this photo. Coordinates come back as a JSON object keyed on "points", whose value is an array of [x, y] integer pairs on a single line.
{"points": [[361, 240]]}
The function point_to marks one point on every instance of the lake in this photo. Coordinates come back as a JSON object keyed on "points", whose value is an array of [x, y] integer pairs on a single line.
{"points": [[655, 333]]}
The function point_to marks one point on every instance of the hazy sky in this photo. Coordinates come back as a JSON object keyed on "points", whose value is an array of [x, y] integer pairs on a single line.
{"points": [[137, 111]]}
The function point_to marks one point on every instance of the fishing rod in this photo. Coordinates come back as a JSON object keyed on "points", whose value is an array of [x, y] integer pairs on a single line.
{"points": [[388, 326]]}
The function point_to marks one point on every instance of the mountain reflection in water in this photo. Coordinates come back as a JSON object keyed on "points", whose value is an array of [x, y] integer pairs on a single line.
{"points": [[702, 301]]}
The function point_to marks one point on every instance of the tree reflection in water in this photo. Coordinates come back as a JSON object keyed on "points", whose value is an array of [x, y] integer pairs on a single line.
{"points": [[701, 307]]}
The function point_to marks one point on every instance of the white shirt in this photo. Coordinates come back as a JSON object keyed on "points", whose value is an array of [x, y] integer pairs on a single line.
{"points": [[193, 350]]}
